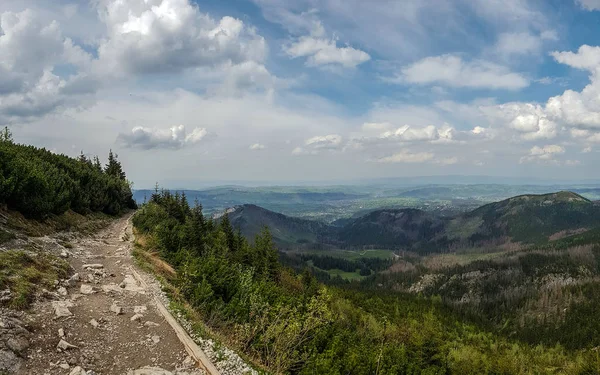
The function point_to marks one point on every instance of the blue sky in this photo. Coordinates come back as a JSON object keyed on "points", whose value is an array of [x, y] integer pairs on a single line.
{"points": [[188, 92]]}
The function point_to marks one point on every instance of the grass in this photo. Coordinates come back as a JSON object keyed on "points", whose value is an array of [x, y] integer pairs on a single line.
{"points": [[26, 273], [69, 221]]}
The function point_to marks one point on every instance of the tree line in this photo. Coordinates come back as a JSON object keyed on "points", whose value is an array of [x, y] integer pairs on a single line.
{"points": [[39, 183]]}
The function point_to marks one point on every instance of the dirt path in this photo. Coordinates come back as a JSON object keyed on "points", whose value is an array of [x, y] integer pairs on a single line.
{"points": [[109, 318]]}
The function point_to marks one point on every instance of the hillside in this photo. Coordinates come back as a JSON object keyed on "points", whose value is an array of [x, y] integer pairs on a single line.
{"points": [[288, 232], [391, 229], [524, 219]]}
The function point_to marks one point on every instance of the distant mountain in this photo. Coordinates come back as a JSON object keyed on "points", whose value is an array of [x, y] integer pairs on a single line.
{"points": [[288, 232], [524, 219]]}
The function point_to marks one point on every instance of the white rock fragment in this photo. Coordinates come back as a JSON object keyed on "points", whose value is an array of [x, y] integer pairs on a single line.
{"points": [[116, 308], [136, 317], [62, 291], [156, 339], [93, 266], [94, 323], [61, 308], [62, 344], [86, 289], [151, 324], [78, 371], [61, 332], [140, 309]]}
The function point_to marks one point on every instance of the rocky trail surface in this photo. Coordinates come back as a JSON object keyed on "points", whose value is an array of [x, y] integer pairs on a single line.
{"points": [[107, 318]]}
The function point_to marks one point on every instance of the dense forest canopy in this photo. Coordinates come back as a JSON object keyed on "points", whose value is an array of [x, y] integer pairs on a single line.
{"points": [[38, 183]]}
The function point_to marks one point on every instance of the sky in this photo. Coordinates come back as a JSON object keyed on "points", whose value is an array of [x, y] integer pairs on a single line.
{"points": [[191, 92]]}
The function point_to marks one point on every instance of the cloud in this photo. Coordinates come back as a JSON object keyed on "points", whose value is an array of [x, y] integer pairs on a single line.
{"points": [[29, 87], [407, 157], [586, 58], [316, 144], [321, 52], [430, 133], [256, 147], [545, 154], [447, 161], [174, 138], [587, 150], [170, 36], [451, 70], [522, 43], [589, 4]]}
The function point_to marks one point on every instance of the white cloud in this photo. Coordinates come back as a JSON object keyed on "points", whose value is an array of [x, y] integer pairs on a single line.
{"points": [[174, 138], [586, 150], [451, 70], [321, 52], [572, 162], [30, 50], [586, 58], [407, 157], [318, 143], [589, 4], [545, 154], [430, 133], [257, 146], [171, 36], [447, 161]]}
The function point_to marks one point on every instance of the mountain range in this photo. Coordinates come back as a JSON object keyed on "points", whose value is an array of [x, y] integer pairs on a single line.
{"points": [[524, 219]]}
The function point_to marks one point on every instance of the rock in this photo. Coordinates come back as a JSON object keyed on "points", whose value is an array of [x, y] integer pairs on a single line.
{"points": [[130, 284], [110, 288], [64, 366], [150, 371], [62, 291], [156, 339], [140, 309], [136, 317], [64, 254], [62, 344], [5, 295], [18, 344], [93, 266], [9, 362], [61, 332], [78, 371], [151, 324], [61, 308], [86, 289], [75, 277], [94, 323], [116, 308]]}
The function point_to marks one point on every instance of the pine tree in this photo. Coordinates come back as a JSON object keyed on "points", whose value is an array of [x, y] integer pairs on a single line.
{"points": [[97, 164], [229, 234], [6, 135], [113, 167]]}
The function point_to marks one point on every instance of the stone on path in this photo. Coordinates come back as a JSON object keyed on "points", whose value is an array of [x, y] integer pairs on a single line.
{"points": [[61, 308], [78, 371], [86, 289], [94, 323], [136, 317], [116, 308], [93, 266], [62, 344]]}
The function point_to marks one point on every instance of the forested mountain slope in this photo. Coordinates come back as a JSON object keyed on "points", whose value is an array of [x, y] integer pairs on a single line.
{"points": [[524, 219]]}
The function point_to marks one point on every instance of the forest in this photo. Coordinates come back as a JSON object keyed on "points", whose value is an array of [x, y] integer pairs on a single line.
{"points": [[290, 323], [38, 183]]}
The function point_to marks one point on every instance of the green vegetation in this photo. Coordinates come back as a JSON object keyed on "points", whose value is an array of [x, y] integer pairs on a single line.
{"points": [[26, 273], [39, 183], [289, 323]]}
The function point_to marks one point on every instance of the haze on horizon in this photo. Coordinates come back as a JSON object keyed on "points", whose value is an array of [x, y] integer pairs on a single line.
{"points": [[187, 92]]}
